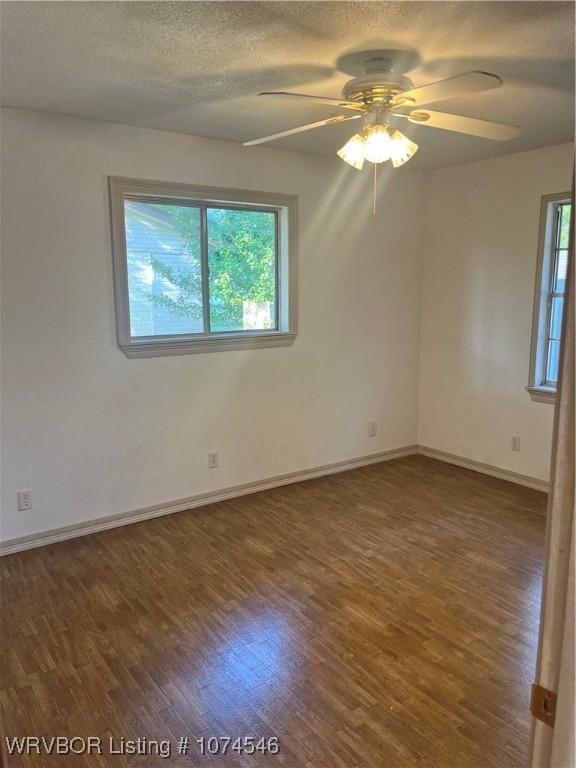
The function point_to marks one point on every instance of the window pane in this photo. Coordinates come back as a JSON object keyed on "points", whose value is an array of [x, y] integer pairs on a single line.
{"points": [[553, 357], [560, 274], [556, 318], [164, 269], [564, 225], [242, 264]]}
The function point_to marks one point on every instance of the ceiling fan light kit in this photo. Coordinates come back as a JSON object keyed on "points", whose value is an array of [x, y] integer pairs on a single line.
{"points": [[378, 90], [377, 143]]}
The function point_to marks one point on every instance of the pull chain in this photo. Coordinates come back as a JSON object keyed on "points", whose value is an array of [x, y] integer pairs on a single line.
{"points": [[374, 196]]}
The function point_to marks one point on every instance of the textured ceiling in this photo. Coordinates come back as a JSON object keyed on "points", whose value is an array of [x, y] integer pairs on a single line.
{"points": [[196, 67]]}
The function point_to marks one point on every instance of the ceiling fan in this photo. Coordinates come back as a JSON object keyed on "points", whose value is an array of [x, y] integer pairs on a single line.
{"points": [[380, 91]]}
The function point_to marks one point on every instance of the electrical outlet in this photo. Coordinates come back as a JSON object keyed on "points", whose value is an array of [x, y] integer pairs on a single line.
{"points": [[24, 501], [212, 459], [372, 428], [515, 443]]}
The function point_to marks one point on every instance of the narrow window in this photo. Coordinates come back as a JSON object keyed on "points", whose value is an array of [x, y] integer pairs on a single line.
{"points": [[200, 269], [549, 295]]}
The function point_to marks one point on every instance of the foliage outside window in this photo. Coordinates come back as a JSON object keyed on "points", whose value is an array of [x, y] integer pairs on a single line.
{"points": [[549, 295], [199, 269]]}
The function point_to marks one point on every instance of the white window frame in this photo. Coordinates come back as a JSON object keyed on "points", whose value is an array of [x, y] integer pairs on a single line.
{"points": [[286, 209], [538, 388]]}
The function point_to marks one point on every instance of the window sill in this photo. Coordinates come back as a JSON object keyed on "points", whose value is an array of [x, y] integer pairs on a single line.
{"points": [[542, 394], [213, 343]]}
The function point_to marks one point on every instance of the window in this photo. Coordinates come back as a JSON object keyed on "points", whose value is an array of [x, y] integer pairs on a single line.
{"points": [[549, 295], [199, 269]]}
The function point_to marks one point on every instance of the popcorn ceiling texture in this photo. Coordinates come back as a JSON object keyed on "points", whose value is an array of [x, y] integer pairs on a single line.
{"points": [[196, 67]]}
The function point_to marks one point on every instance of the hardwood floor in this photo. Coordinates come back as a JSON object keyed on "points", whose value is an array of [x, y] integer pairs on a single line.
{"points": [[385, 616]]}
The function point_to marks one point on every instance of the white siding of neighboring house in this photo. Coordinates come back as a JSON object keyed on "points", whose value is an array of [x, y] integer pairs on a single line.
{"points": [[150, 234]]}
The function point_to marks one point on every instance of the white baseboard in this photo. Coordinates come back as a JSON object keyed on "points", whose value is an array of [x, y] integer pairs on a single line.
{"points": [[135, 516], [126, 518], [485, 469]]}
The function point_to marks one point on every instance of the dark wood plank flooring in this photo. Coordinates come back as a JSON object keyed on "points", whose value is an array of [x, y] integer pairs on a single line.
{"points": [[385, 616]]}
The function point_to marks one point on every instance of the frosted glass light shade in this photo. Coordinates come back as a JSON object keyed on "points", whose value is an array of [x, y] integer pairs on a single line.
{"points": [[401, 149], [353, 151], [378, 146]]}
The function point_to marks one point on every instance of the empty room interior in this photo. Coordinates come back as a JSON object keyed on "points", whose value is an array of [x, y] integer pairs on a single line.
{"points": [[287, 405]]}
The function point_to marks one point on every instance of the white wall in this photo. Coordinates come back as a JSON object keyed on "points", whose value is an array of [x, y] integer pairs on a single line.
{"points": [[479, 261], [93, 433]]}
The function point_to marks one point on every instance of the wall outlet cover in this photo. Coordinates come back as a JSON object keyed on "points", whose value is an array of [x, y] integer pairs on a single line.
{"points": [[24, 500]]}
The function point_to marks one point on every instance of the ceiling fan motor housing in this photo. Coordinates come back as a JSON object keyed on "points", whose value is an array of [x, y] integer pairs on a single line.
{"points": [[378, 88]]}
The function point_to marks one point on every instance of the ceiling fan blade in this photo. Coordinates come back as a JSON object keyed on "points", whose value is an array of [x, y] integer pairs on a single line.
{"points": [[308, 127], [343, 103], [460, 85], [459, 124]]}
